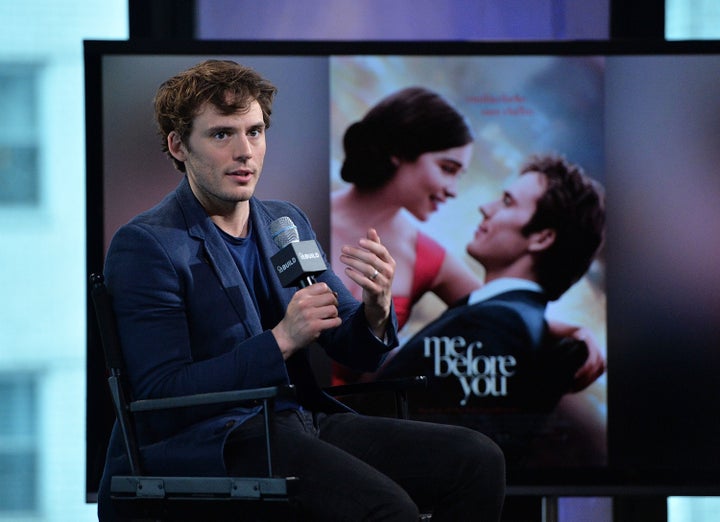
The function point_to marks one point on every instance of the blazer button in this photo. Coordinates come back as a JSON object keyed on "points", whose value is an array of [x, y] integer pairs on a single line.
{"points": [[229, 424]]}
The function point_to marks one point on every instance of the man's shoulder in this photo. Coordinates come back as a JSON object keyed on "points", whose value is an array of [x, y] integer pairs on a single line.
{"points": [[520, 301], [166, 222], [268, 210], [162, 220], [507, 314], [274, 207], [510, 301], [167, 208]]}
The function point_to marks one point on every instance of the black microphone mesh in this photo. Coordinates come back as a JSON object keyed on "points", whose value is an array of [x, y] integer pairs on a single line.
{"points": [[284, 231]]}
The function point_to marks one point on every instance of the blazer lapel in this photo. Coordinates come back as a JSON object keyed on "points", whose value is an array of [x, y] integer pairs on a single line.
{"points": [[216, 254], [261, 219]]}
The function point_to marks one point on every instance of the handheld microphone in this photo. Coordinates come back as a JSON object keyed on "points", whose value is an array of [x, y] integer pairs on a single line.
{"points": [[298, 262]]}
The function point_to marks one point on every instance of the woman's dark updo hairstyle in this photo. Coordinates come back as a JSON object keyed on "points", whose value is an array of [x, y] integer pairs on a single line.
{"points": [[404, 125]]}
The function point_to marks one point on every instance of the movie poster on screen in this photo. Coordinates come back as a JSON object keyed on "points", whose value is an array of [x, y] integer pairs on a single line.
{"points": [[516, 106]]}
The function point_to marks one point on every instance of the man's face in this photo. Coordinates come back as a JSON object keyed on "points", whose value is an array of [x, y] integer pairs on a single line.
{"points": [[498, 242], [223, 156]]}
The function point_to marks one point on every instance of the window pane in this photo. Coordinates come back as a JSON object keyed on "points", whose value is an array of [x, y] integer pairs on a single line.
{"points": [[18, 135], [18, 442], [692, 19], [18, 473], [19, 175]]}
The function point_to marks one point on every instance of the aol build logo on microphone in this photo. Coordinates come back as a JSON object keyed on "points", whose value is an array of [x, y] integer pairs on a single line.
{"points": [[478, 374]]}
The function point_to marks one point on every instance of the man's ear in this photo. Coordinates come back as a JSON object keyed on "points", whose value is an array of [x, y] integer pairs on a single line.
{"points": [[176, 146], [542, 239]]}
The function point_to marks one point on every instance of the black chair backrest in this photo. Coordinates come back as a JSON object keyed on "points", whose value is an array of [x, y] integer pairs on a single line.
{"points": [[106, 322], [115, 365]]}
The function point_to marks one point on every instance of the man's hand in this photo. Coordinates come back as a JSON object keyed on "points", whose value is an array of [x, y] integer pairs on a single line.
{"points": [[371, 266], [594, 365], [311, 310]]}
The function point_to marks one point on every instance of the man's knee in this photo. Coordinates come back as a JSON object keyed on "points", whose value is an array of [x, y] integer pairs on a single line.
{"points": [[391, 504], [482, 454], [401, 507]]}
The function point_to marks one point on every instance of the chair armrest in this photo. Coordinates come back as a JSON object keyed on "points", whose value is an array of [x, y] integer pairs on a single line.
{"points": [[390, 385], [398, 387], [203, 399]]}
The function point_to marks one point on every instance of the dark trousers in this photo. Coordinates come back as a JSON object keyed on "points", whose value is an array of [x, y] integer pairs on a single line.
{"points": [[354, 467]]}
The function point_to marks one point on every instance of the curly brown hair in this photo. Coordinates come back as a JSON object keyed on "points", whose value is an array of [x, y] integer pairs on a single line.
{"points": [[227, 85], [405, 124], [573, 205]]}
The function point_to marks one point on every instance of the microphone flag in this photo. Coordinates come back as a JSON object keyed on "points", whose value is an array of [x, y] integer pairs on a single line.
{"points": [[298, 262]]}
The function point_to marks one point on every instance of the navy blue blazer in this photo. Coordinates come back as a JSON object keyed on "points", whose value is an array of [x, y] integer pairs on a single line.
{"points": [[188, 324], [492, 367]]}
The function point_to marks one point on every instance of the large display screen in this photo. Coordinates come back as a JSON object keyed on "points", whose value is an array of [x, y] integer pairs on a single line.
{"points": [[642, 121]]}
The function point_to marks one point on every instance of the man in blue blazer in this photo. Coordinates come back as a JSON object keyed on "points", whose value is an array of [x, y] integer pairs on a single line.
{"points": [[200, 309], [491, 355]]}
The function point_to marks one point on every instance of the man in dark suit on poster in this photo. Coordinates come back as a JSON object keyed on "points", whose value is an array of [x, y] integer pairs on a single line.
{"points": [[492, 353]]}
